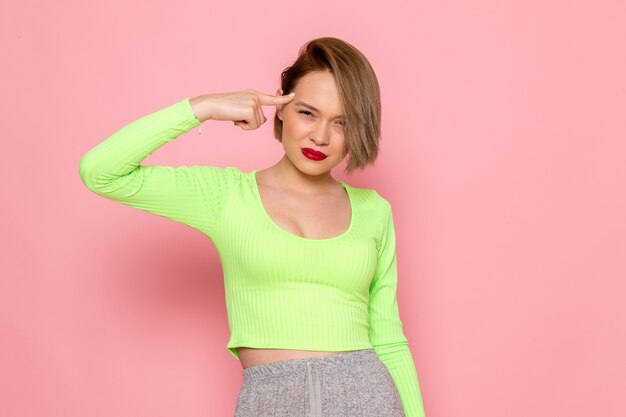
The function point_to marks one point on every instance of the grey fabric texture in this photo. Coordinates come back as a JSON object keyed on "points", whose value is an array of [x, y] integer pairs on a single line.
{"points": [[346, 384]]}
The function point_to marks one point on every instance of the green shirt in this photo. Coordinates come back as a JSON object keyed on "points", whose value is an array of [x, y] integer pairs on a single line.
{"points": [[282, 291]]}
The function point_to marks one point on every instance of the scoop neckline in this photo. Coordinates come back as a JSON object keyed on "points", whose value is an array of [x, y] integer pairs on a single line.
{"points": [[257, 194]]}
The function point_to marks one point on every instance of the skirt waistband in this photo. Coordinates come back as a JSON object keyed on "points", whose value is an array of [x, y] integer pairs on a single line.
{"points": [[301, 365]]}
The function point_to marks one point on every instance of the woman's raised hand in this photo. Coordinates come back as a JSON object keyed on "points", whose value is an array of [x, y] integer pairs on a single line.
{"points": [[241, 107]]}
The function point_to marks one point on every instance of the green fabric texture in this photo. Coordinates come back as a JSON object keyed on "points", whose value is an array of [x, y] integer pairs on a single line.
{"points": [[282, 291]]}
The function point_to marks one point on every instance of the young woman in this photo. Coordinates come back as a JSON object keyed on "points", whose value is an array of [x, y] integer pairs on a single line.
{"points": [[309, 262]]}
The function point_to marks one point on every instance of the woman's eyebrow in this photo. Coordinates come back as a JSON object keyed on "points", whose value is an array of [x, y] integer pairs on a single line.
{"points": [[308, 106]]}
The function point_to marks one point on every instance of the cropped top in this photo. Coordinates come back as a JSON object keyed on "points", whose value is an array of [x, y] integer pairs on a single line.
{"points": [[282, 291]]}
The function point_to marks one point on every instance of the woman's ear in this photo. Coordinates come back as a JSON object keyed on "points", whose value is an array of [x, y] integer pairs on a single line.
{"points": [[279, 107]]}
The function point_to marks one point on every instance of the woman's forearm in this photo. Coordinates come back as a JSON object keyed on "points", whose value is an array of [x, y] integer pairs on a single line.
{"points": [[122, 152]]}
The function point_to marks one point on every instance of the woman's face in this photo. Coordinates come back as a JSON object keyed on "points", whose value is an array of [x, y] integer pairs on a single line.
{"points": [[314, 119]]}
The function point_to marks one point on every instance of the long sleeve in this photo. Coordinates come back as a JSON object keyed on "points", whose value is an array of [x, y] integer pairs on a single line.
{"points": [[192, 195], [386, 333]]}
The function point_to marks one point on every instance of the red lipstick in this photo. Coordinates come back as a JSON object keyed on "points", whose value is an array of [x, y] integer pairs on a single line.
{"points": [[313, 154]]}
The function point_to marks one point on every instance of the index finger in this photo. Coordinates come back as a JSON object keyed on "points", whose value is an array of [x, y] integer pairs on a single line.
{"points": [[269, 100]]}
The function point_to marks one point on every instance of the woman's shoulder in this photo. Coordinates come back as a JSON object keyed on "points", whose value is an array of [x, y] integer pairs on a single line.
{"points": [[227, 171], [370, 197], [214, 177]]}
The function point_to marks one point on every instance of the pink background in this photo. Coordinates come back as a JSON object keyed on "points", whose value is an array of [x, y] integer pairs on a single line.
{"points": [[503, 156]]}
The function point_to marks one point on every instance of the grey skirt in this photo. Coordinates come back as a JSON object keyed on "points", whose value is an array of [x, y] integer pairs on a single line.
{"points": [[345, 384]]}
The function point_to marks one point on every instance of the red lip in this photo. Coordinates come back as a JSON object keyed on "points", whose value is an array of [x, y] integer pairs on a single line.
{"points": [[313, 154]]}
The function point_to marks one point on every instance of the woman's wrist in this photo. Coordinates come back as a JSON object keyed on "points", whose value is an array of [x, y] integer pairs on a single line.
{"points": [[201, 106]]}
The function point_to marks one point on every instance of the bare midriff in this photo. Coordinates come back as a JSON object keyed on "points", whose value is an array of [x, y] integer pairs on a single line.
{"points": [[254, 356]]}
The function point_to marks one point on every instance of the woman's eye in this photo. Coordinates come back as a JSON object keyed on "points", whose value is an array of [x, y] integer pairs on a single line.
{"points": [[308, 113]]}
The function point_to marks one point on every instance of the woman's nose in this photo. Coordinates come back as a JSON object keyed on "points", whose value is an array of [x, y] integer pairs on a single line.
{"points": [[321, 134]]}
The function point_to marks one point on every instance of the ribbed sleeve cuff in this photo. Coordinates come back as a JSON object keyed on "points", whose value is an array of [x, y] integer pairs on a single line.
{"points": [[397, 357]]}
